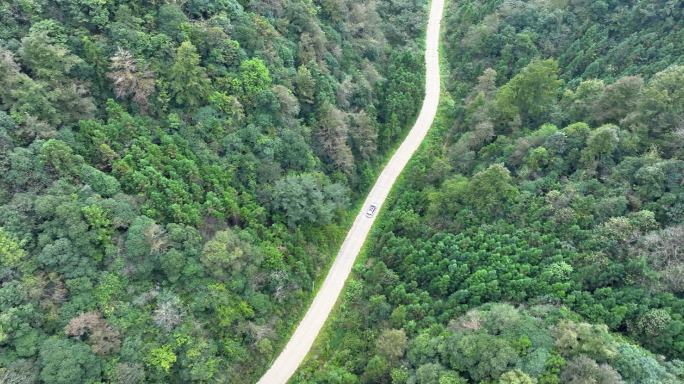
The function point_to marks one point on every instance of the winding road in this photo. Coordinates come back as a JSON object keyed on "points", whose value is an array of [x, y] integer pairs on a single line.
{"points": [[296, 349]]}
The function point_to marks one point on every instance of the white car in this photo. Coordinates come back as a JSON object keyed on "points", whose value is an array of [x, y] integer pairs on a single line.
{"points": [[371, 210]]}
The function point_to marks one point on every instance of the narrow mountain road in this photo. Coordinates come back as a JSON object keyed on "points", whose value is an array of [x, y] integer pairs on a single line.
{"points": [[305, 334]]}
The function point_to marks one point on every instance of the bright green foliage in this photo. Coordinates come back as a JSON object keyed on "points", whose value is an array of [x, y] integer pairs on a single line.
{"points": [[99, 221], [253, 78], [161, 358], [554, 366], [11, 252], [399, 376]]}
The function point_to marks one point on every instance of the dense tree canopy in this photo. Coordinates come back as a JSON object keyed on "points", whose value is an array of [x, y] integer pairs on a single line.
{"points": [[176, 176]]}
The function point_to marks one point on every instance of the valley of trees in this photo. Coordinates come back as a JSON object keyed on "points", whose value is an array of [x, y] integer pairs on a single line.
{"points": [[537, 234], [175, 177]]}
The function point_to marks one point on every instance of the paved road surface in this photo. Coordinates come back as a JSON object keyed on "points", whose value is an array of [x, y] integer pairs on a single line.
{"points": [[305, 334]]}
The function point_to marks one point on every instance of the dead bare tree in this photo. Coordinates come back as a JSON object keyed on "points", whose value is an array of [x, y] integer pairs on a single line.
{"points": [[665, 251], [131, 79], [167, 316], [101, 337]]}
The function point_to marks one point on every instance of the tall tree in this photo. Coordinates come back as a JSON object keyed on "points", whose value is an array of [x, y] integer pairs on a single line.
{"points": [[332, 135], [530, 92], [252, 79], [188, 81]]}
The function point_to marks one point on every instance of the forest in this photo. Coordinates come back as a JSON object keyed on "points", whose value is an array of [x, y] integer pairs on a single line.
{"points": [[536, 236], [175, 177]]}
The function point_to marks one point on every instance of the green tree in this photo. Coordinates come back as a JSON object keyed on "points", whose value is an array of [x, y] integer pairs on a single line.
{"points": [[225, 254], [482, 355], [129, 373], [530, 92], [619, 99], [399, 376], [11, 251], [253, 78], [392, 343], [188, 81], [636, 365], [305, 85], [47, 59], [489, 189], [575, 339], [661, 104], [170, 19], [303, 198], [581, 102], [66, 362], [601, 143], [162, 358], [516, 377], [50, 95], [554, 366], [584, 370], [429, 373], [62, 159], [51, 64]]}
